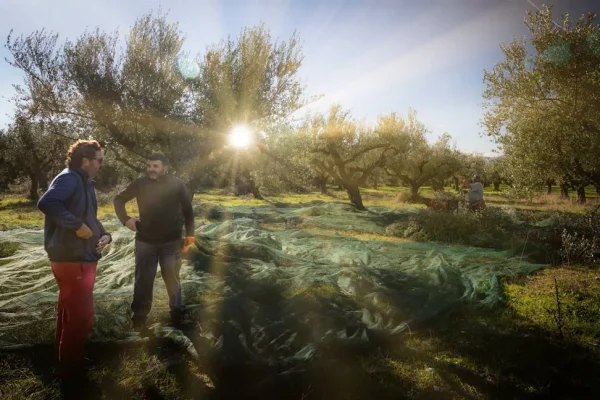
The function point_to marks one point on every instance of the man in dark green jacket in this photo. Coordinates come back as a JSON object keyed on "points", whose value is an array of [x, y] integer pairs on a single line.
{"points": [[164, 205]]}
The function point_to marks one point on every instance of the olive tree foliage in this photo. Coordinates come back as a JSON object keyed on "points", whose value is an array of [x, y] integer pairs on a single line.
{"points": [[293, 148], [10, 170], [268, 165], [251, 81], [414, 160], [149, 96], [133, 99], [337, 146], [471, 166], [29, 150], [289, 165], [543, 106], [495, 173]]}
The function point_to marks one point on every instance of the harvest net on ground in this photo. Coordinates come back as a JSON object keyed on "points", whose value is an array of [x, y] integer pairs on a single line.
{"points": [[267, 285]]}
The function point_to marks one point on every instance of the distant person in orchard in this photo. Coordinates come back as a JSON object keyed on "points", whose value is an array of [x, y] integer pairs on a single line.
{"points": [[74, 239], [165, 205], [475, 195]]}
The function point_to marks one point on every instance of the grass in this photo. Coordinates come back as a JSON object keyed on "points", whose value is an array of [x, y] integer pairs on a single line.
{"points": [[17, 211], [108, 209], [534, 299], [411, 372], [146, 366], [19, 381], [512, 353], [478, 357], [515, 352], [140, 372]]}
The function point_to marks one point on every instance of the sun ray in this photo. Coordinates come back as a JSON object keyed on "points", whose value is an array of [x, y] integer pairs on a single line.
{"points": [[424, 59]]}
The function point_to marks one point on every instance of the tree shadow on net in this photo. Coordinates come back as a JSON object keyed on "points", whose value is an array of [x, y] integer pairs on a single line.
{"points": [[265, 340]]}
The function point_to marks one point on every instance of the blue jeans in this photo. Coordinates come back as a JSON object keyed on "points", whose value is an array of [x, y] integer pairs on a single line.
{"points": [[147, 258]]}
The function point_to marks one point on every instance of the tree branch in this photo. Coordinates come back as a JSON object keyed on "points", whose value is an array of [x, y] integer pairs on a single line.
{"points": [[365, 150], [126, 162], [326, 170]]}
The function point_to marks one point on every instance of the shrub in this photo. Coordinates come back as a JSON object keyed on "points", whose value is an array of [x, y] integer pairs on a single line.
{"points": [[567, 238], [448, 227], [463, 227], [576, 248]]}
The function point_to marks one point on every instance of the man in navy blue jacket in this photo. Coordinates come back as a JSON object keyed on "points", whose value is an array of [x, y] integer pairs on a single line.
{"points": [[74, 239]]}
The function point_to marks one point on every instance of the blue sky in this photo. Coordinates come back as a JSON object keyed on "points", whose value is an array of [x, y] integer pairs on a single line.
{"points": [[372, 56]]}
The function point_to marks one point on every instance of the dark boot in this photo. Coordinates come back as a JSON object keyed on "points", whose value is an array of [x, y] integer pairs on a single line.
{"points": [[138, 324], [178, 318], [73, 381]]}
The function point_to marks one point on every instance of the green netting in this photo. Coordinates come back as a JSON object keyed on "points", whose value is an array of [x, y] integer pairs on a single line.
{"points": [[274, 292]]}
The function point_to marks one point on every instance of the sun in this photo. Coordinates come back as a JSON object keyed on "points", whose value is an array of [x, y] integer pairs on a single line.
{"points": [[240, 136]]}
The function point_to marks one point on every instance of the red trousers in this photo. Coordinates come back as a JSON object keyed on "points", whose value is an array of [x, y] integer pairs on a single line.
{"points": [[75, 312]]}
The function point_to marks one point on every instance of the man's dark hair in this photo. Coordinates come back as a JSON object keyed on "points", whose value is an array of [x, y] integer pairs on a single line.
{"points": [[81, 149], [159, 156]]}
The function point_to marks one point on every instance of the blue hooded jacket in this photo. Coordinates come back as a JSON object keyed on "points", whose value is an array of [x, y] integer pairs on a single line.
{"points": [[69, 202]]}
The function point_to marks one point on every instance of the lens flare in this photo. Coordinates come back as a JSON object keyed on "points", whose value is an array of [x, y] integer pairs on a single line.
{"points": [[188, 68], [240, 136]]}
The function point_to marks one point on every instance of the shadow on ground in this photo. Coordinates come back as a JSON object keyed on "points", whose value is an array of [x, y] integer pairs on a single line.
{"points": [[260, 342]]}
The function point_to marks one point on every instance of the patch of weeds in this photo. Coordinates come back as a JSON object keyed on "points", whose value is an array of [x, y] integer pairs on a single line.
{"points": [[140, 371], [419, 369], [535, 299], [20, 382], [7, 249]]}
